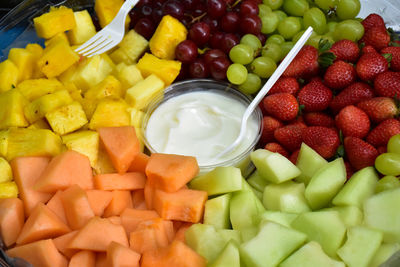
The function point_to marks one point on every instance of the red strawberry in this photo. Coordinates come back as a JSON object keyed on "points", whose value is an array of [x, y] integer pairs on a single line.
{"points": [[285, 85], [373, 20], [293, 157], [377, 36], [395, 52], [351, 95], [349, 170], [388, 84], [270, 124], [379, 109], [353, 121], [368, 49], [381, 134], [346, 50], [340, 75], [370, 65], [290, 136], [282, 106], [322, 139], [304, 65], [275, 147], [319, 119], [315, 96], [382, 149], [359, 153]]}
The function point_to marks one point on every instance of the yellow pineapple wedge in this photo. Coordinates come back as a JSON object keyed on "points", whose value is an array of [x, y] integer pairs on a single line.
{"points": [[104, 164], [75, 93], [141, 93], [169, 33], [25, 62], [32, 142], [167, 70], [84, 29], [128, 75], [109, 87], [130, 49], [106, 10], [38, 108], [6, 174], [37, 52], [84, 142], [8, 75], [136, 117], [8, 190], [40, 124], [35, 88], [58, 20], [110, 113], [67, 119], [3, 142], [12, 109], [59, 37]]}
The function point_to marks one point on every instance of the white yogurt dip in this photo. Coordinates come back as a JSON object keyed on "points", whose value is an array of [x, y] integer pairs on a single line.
{"points": [[200, 124]]}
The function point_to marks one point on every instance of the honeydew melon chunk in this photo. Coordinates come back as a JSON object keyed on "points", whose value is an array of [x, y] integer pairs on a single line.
{"points": [[311, 254], [272, 244], [324, 227], [247, 187], [283, 218], [385, 251], [229, 257], [386, 183], [325, 184], [216, 212], [230, 234], [257, 193], [361, 245], [221, 180], [257, 182], [274, 167], [359, 187], [309, 162], [285, 197], [381, 212], [350, 215]]}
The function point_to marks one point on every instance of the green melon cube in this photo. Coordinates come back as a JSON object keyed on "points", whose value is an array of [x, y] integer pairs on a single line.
{"points": [[257, 182], [283, 218], [229, 257], [385, 251], [309, 162], [230, 234], [350, 215], [216, 212], [254, 192], [386, 183]]}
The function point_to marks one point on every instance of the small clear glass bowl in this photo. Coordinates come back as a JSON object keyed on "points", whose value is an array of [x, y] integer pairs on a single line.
{"points": [[242, 160]]}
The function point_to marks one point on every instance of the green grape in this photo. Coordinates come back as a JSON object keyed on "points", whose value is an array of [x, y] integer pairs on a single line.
{"points": [[348, 9], [272, 50], [252, 41], [263, 10], [263, 66], [326, 4], [281, 15], [236, 73], [242, 54], [315, 18], [388, 164], [393, 145], [331, 26], [295, 7], [298, 35], [386, 183], [251, 85], [269, 23], [274, 4], [289, 27], [348, 29], [275, 38], [286, 47], [315, 40]]}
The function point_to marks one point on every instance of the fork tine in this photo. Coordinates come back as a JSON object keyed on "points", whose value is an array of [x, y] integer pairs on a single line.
{"points": [[93, 45], [106, 45], [90, 41]]}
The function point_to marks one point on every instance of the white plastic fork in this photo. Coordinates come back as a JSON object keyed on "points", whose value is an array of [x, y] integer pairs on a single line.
{"points": [[109, 36]]}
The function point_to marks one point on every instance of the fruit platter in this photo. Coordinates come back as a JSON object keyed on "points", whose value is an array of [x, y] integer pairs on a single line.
{"points": [[113, 159]]}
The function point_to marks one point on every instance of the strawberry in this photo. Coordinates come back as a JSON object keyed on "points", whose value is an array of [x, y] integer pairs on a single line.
{"points": [[340, 75], [290, 136], [275, 147], [388, 84], [370, 65], [304, 65], [293, 157], [315, 96], [395, 52], [373, 20], [377, 36], [285, 85], [353, 121], [323, 140], [346, 50], [270, 124], [359, 153], [379, 109], [382, 149], [380, 135], [349, 170], [368, 49], [282, 106], [319, 119], [351, 95]]}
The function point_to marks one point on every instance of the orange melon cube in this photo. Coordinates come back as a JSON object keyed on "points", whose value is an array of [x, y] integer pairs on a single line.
{"points": [[120, 256], [62, 243], [99, 200], [84, 258], [131, 218], [120, 201], [116, 181], [55, 205], [11, 219]]}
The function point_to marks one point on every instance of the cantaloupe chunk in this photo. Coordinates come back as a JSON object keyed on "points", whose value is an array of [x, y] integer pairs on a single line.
{"points": [[121, 200], [139, 163], [97, 234], [120, 256], [11, 219], [170, 172], [56, 21], [115, 220], [131, 218], [62, 243], [180, 233], [116, 181], [149, 191], [41, 253], [99, 200], [64, 170], [77, 207], [27, 171], [101, 259], [121, 145], [146, 239], [41, 224], [84, 258], [138, 200], [55, 205]]}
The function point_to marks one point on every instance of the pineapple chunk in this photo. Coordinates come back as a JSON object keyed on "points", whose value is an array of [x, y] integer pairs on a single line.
{"points": [[109, 87], [128, 75], [24, 60], [169, 33], [38, 108], [130, 49], [67, 119], [167, 70], [84, 29], [56, 21], [59, 37], [56, 59], [89, 106], [8, 190], [24, 142], [110, 113], [12, 109], [106, 10], [3, 142], [40, 124], [84, 142], [35, 88], [136, 117], [8, 75], [75, 93], [37, 52], [141, 93], [5, 171], [104, 164]]}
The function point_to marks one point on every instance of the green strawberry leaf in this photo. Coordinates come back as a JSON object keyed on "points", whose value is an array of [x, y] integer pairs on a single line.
{"points": [[326, 59]]}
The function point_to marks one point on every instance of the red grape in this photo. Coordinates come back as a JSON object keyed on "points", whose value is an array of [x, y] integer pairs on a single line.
{"points": [[158, 3], [199, 10], [183, 73], [262, 38], [216, 8], [157, 15], [143, 3], [200, 33], [218, 68], [212, 54], [213, 23], [145, 27], [146, 11], [248, 7], [230, 22], [174, 8], [216, 39], [190, 4], [250, 24], [229, 41], [198, 69], [135, 15], [186, 51]]}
